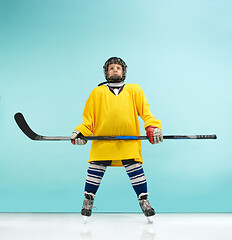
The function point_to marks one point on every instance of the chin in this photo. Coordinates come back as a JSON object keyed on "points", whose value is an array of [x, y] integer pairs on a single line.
{"points": [[115, 79]]}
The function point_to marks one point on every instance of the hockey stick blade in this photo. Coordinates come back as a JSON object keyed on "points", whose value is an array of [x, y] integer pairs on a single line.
{"points": [[21, 122]]}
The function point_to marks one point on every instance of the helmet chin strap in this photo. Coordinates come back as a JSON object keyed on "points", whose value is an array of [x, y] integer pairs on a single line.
{"points": [[111, 84], [119, 84], [114, 79]]}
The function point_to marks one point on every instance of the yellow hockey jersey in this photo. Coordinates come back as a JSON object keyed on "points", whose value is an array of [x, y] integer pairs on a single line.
{"points": [[106, 114]]}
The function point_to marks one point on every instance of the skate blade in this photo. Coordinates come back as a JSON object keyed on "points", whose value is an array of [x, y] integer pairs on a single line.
{"points": [[150, 219], [85, 219]]}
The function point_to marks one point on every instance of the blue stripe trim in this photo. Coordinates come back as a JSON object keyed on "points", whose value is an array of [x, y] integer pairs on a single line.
{"points": [[141, 188], [127, 137], [91, 188], [137, 172], [100, 174]]}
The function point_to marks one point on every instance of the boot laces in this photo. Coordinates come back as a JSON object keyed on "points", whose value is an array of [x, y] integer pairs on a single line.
{"points": [[145, 205], [88, 204]]}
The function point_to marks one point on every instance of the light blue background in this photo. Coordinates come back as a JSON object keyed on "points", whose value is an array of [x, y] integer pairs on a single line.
{"points": [[51, 57]]}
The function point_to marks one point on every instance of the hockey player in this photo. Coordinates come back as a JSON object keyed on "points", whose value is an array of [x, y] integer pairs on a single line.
{"points": [[113, 110]]}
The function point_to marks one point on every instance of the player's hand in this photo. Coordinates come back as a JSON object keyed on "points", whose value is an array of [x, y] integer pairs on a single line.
{"points": [[76, 140], [155, 134]]}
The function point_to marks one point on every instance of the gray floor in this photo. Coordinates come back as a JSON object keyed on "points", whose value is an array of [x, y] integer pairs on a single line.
{"points": [[70, 226]]}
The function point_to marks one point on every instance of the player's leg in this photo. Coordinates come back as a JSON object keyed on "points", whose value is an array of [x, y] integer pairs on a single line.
{"points": [[95, 172], [139, 184]]}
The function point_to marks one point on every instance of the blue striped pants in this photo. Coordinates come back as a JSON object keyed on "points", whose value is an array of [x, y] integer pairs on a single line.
{"points": [[134, 170]]}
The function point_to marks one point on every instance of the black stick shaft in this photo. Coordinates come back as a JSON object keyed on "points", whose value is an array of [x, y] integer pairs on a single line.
{"points": [[131, 137], [20, 120]]}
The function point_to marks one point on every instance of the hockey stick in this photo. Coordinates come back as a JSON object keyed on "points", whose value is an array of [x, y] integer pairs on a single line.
{"points": [[20, 120]]}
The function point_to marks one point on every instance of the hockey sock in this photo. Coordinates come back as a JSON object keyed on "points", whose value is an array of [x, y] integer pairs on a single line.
{"points": [[137, 177], [94, 177]]}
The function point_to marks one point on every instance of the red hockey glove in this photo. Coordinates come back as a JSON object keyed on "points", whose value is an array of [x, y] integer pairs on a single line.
{"points": [[155, 134]]}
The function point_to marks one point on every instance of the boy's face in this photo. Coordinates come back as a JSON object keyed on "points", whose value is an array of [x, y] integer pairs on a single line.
{"points": [[115, 70]]}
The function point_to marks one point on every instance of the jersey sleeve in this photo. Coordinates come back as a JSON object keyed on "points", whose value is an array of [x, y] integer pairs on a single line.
{"points": [[87, 126], [144, 111]]}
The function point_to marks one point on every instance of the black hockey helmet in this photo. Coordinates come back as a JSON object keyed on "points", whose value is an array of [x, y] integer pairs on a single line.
{"points": [[115, 60]]}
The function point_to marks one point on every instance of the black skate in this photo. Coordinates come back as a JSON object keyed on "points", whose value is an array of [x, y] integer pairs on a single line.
{"points": [[86, 210], [146, 207]]}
